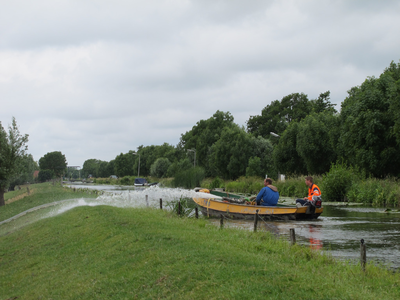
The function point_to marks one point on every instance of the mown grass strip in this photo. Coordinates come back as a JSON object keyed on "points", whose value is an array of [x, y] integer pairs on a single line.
{"points": [[113, 253]]}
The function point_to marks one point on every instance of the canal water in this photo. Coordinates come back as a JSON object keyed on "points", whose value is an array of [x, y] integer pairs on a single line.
{"points": [[337, 231]]}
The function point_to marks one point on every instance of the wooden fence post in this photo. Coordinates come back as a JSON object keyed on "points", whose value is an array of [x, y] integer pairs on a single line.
{"points": [[160, 203], [179, 207], [292, 236], [255, 221], [196, 211], [221, 221], [147, 200], [363, 254]]}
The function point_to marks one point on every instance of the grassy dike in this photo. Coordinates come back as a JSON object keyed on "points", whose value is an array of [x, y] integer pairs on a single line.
{"points": [[39, 194], [114, 253]]}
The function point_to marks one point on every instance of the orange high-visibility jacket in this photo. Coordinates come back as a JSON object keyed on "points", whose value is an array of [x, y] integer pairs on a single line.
{"points": [[313, 191]]}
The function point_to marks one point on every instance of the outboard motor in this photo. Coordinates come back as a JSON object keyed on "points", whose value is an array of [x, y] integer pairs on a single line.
{"points": [[316, 201]]}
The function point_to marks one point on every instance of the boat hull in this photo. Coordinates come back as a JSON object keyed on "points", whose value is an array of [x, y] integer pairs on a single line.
{"points": [[215, 208]]}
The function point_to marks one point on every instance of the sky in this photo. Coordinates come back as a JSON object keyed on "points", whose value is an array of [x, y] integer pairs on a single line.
{"points": [[94, 79]]}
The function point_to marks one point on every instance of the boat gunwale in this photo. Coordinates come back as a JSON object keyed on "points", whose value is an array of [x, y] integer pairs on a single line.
{"points": [[261, 208]]}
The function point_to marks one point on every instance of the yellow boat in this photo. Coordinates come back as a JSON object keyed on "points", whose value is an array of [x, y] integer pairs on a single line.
{"points": [[215, 207]]}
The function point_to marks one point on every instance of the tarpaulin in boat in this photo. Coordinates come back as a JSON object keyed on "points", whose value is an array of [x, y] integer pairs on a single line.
{"points": [[140, 181]]}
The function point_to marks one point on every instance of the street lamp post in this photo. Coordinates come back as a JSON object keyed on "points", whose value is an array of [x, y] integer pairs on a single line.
{"points": [[138, 172], [193, 150], [274, 134]]}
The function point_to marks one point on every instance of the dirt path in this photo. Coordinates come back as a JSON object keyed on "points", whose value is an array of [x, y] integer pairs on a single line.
{"points": [[19, 197]]}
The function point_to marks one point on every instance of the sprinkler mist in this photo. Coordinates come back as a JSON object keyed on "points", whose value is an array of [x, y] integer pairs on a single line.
{"points": [[139, 197]]}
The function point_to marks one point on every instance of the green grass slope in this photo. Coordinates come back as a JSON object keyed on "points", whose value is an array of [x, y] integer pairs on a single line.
{"points": [[113, 253]]}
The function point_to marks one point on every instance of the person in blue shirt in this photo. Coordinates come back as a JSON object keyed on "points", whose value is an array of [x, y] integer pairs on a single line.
{"points": [[269, 195]]}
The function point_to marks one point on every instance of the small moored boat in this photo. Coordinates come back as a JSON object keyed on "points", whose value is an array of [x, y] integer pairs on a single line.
{"points": [[140, 182], [143, 182]]}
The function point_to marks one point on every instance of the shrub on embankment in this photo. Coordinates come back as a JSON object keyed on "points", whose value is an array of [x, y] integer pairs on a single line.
{"points": [[376, 192], [123, 253], [337, 183], [341, 183]]}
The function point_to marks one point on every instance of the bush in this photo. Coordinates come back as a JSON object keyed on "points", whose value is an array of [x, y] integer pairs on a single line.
{"points": [[337, 182], [45, 175], [216, 183], [165, 182], [249, 185], [236, 187], [255, 187], [293, 187], [106, 180], [160, 167], [376, 192], [125, 180], [189, 178], [179, 166], [206, 183]]}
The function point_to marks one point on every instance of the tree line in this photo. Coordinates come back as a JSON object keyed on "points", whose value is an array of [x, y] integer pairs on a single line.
{"points": [[311, 136], [364, 135]]}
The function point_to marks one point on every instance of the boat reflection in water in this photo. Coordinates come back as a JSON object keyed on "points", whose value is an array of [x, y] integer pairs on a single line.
{"points": [[315, 237]]}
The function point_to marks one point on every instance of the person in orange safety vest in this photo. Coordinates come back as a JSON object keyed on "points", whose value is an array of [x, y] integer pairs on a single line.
{"points": [[313, 190]]}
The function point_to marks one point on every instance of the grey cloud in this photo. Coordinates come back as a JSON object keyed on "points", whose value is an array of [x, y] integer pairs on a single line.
{"points": [[95, 79]]}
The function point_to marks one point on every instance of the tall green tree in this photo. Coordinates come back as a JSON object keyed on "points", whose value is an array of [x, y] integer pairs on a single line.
{"points": [[323, 103], [91, 167], [263, 148], [286, 158], [254, 167], [392, 77], [111, 168], [203, 135], [12, 150], [103, 169], [54, 161], [232, 152], [276, 116], [27, 167], [149, 154], [45, 175], [271, 119], [124, 164], [160, 167], [294, 107], [73, 172], [179, 166], [370, 122], [316, 142]]}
